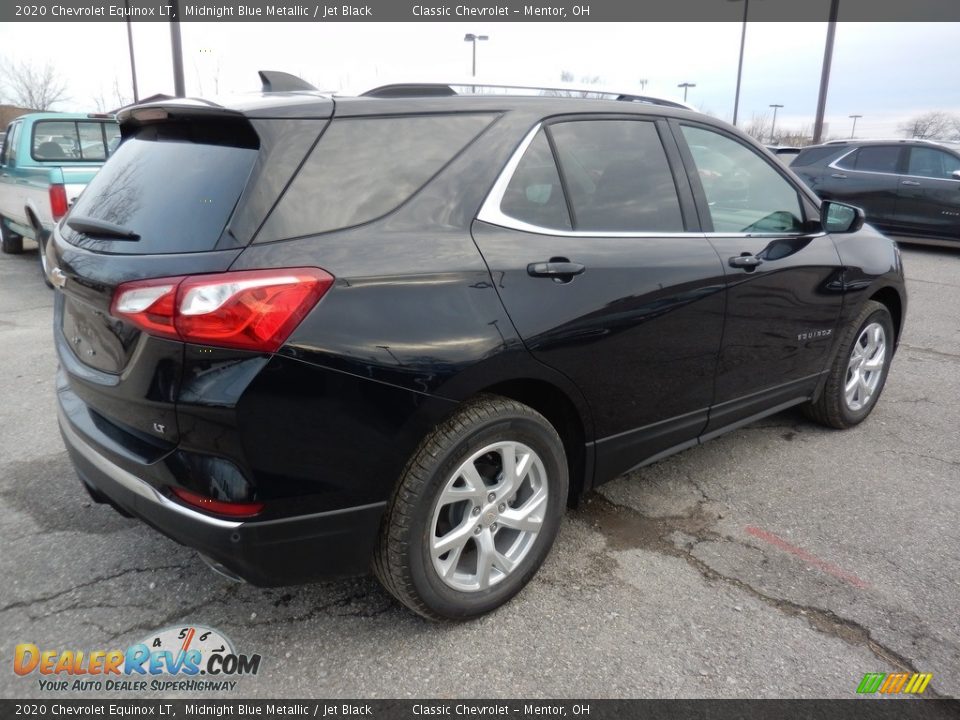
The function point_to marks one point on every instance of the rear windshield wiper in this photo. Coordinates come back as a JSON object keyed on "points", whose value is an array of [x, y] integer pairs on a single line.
{"points": [[101, 228]]}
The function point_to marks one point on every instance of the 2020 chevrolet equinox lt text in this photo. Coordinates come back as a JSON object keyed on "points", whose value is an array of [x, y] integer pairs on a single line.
{"points": [[306, 335]]}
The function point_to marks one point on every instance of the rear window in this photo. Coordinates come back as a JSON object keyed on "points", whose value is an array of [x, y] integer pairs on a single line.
{"points": [[174, 185], [364, 168], [74, 140]]}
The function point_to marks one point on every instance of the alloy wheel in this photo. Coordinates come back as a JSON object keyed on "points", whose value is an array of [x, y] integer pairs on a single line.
{"points": [[865, 367]]}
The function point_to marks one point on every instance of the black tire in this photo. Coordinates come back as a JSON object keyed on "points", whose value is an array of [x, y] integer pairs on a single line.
{"points": [[832, 407], [403, 562], [10, 242]]}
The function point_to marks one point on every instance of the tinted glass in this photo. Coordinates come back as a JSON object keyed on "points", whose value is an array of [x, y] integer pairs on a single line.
{"points": [[617, 175], [810, 156], [932, 163], [882, 158], [176, 193], [71, 140], [363, 168], [744, 192], [10, 144], [534, 194]]}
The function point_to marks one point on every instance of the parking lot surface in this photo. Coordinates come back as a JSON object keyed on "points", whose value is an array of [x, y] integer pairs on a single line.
{"points": [[781, 560]]}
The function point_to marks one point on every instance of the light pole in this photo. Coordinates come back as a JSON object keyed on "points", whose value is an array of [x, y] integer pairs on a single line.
{"points": [[773, 126], [854, 129], [471, 38], [133, 62], [176, 49], [685, 86], [825, 72], [743, 42]]}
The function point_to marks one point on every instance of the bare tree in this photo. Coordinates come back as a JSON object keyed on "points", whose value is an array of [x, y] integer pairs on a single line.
{"points": [[932, 125], [799, 137], [758, 128], [30, 86], [117, 100], [568, 77]]}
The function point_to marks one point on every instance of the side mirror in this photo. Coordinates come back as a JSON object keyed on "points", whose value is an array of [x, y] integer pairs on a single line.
{"points": [[836, 217], [955, 174]]}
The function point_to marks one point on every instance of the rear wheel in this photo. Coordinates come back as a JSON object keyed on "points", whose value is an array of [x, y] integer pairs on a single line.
{"points": [[10, 242], [476, 511], [859, 370]]}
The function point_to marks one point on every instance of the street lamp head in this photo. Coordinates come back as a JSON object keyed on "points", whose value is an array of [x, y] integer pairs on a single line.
{"points": [[470, 37]]}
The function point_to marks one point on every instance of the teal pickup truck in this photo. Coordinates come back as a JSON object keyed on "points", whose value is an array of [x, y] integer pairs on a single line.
{"points": [[46, 161]]}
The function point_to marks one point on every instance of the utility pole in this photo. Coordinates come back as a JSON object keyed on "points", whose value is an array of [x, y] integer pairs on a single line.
{"points": [[854, 130], [743, 42], [773, 127], [825, 72], [133, 61], [176, 48]]}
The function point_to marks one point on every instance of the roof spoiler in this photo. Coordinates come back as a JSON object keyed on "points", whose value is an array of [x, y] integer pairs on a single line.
{"points": [[277, 81]]}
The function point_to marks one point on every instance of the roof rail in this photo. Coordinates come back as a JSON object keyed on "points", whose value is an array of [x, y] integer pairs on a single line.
{"points": [[277, 81], [469, 87]]}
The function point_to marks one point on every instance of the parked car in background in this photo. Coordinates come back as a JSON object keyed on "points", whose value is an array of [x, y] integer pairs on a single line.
{"points": [[905, 187], [403, 330], [45, 162], [784, 153]]}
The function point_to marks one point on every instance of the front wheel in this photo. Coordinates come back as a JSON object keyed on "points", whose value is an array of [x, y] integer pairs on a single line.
{"points": [[476, 511], [859, 370]]}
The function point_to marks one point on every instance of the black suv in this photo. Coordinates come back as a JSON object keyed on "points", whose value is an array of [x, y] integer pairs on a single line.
{"points": [[306, 335], [905, 187]]}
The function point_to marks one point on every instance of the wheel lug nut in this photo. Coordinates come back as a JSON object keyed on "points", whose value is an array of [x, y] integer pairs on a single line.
{"points": [[491, 497], [493, 528], [477, 530], [476, 510], [503, 506]]}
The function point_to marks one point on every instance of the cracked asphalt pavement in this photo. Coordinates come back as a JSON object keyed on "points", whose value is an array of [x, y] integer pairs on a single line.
{"points": [[781, 560]]}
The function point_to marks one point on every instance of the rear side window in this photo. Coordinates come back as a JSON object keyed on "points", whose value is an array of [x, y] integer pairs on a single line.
{"points": [[364, 168], [535, 194], [173, 185], [74, 140], [881, 158], [617, 176], [811, 156]]}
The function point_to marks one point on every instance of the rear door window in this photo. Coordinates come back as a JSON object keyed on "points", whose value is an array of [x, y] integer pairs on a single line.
{"points": [[364, 168], [534, 194], [617, 176], [879, 158]]}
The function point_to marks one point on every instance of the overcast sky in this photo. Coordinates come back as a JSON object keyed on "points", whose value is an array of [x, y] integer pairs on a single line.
{"points": [[883, 71]]}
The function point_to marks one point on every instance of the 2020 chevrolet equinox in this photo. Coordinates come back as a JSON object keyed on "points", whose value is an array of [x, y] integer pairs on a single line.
{"points": [[307, 335]]}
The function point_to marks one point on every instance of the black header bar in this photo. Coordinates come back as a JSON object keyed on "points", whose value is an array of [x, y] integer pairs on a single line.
{"points": [[475, 11]]}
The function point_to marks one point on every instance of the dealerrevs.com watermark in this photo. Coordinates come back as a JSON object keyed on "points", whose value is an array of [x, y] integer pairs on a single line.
{"points": [[194, 658]]}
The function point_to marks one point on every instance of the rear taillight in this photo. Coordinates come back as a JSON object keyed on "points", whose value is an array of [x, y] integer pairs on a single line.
{"points": [[219, 507], [249, 309], [58, 201]]}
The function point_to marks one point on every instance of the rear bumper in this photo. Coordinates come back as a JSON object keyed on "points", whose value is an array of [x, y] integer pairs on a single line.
{"points": [[267, 553]]}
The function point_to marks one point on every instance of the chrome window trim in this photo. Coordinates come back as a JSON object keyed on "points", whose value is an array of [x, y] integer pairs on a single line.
{"points": [[491, 213], [834, 166]]}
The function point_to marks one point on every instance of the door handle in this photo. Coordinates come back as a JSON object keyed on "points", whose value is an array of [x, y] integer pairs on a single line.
{"points": [[747, 261], [557, 268], [909, 182], [839, 176]]}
